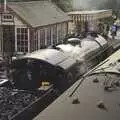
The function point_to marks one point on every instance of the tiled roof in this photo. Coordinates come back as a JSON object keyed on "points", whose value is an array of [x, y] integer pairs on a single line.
{"points": [[39, 13]]}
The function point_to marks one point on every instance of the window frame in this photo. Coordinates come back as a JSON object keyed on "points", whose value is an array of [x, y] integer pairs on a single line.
{"points": [[22, 42]]}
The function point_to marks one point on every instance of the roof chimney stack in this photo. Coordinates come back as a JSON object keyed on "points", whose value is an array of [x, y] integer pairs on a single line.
{"points": [[5, 5]]}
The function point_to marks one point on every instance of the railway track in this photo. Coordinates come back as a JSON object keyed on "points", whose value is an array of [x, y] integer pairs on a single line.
{"points": [[23, 104]]}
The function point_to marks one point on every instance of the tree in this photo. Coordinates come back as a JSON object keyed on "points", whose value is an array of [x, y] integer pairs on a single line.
{"points": [[111, 4], [65, 5]]}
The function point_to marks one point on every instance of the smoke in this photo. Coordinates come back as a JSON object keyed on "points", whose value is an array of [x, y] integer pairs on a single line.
{"points": [[96, 4]]}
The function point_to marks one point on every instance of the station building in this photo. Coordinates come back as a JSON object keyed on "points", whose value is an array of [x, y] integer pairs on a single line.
{"points": [[29, 26], [84, 21]]}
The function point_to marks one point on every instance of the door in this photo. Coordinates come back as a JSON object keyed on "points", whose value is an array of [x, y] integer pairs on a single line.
{"points": [[8, 39]]}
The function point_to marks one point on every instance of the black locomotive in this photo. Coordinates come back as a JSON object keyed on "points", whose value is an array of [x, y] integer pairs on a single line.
{"points": [[62, 65]]}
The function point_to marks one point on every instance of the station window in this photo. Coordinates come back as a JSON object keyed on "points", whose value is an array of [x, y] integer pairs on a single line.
{"points": [[42, 38], [54, 34], [48, 32], [7, 17], [59, 33], [36, 40], [22, 39], [64, 30]]}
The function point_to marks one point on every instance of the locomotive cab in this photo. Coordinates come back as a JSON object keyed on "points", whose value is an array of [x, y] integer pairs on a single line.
{"points": [[33, 74], [36, 74]]}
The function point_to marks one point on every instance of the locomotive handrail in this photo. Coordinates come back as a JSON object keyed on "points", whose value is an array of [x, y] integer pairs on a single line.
{"points": [[85, 75]]}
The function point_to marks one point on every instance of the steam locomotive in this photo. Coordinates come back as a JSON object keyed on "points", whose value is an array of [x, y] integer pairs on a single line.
{"points": [[60, 65], [40, 77], [96, 96]]}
